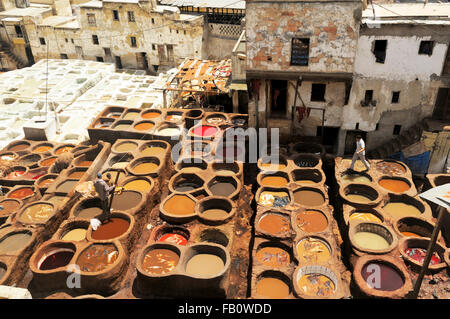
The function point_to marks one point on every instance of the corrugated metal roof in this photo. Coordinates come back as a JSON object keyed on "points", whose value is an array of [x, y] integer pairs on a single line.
{"points": [[230, 4]]}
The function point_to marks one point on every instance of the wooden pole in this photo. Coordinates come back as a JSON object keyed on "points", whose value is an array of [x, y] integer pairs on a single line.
{"points": [[430, 250]]}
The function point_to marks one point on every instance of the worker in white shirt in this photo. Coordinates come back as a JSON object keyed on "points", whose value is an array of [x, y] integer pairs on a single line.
{"points": [[360, 153]]}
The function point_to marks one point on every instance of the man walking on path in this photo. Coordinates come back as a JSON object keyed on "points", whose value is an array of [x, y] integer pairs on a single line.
{"points": [[103, 191], [360, 153]]}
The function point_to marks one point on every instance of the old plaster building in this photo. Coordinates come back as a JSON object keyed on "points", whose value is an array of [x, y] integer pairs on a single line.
{"points": [[352, 71], [133, 34]]}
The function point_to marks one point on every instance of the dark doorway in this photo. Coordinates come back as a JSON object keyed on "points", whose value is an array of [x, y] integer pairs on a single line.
{"points": [[278, 98], [142, 60], [441, 107], [118, 62], [330, 138], [29, 54], [108, 56], [350, 141]]}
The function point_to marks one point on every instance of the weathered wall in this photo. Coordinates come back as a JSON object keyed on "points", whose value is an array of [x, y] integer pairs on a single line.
{"points": [[270, 27], [402, 58], [168, 28], [220, 40]]}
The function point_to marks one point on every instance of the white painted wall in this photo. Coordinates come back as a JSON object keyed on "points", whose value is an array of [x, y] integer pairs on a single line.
{"points": [[403, 60]]}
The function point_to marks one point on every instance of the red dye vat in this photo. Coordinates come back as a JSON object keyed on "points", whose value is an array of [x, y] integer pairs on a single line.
{"points": [[174, 239], [36, 174], [21, 193], [204, 130], [15, 174], [58, 259], [382, 277], [419, 255]]}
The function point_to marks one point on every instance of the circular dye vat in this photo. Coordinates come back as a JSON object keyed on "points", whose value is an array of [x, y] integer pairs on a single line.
{"points": [[131, 115], [126, 200], [274, 181], [308, 198], [153, 151], [316, 285], [31, 159], [37, 213], [371, 241], [419, 254], [56, 200], [21, 193], [215, 120], [179, 205], [174, 239], [90, 212], [122, 126], [18, 147], [273, 288], [311, 221], [150, 115], [66, 186], [173, 117], [204, 265], [394, 185], [125, 147], [76, 234], [76, 174], [48, 162], [15, 174], [8, 157], [355, 178], [64, 149], [42, 149], [390, 168], [97, 257], [358, 198], [222, 189], [399, 210], [274, 224], [36, 173], [139, 185], [273, 199], [85, 163], [14, 242], [144, 126], [215, 213], [58, 258], [410, 234], [111, 228], [114, 115], [273, 257], [275, 167], [313, 250], [145, 168], [388, 278], [9, 207], [160, 261], [205, 131], [366, 217], [169, 131]]}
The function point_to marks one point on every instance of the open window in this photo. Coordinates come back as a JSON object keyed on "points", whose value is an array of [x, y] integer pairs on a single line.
{"points": [[368, 99], [397, 129], [395, 97], [379, 50], [318, 92], [426, 47]]}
